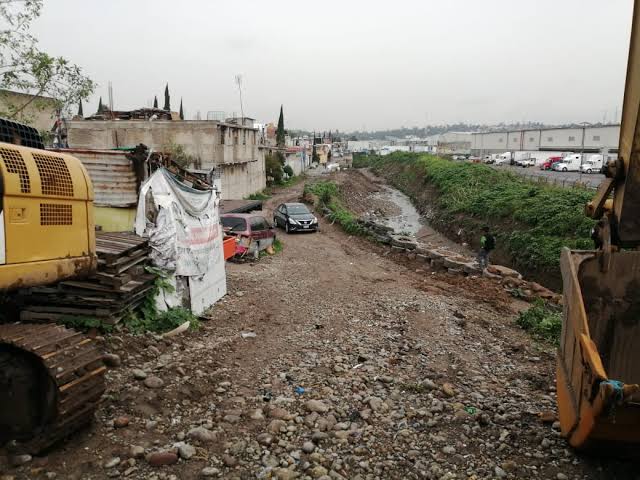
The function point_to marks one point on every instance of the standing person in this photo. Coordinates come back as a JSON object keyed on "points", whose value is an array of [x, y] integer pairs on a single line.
{"points": [[487, 243]]}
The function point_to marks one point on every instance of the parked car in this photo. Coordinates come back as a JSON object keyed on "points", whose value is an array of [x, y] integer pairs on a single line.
{"points": [[252, 231], [548, 163], [295, 217]]}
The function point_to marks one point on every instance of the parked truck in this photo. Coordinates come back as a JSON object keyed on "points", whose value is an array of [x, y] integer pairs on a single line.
{"points": [[593, 164], [570, 163]]}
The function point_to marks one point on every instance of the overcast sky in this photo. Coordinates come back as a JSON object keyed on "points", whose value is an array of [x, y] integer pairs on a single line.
{"points": [[351, 65]]}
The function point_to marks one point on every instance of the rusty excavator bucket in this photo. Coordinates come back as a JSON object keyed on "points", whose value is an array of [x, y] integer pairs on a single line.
{"points": [[599, 360], [599, 355]]}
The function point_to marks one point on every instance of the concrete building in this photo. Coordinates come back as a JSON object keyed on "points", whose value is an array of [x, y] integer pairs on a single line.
{"points": [[596, 139], [39, 112], [231, 147]]}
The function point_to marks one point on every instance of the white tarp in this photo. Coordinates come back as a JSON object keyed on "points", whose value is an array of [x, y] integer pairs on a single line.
{"points": [[185, 236]]}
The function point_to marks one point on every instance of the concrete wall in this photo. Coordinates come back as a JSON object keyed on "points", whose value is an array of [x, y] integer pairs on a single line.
{"points": [[296, 161], [231, 148], [40, 113], [242, 179]]}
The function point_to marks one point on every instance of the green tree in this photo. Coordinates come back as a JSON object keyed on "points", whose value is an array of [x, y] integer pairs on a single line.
{"points": [[155, 101], [181, 111], [280, 131], [167, 99], [80, 110], [27, 69], [273, 167]]}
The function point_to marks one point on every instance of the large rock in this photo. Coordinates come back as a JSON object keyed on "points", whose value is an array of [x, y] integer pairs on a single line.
{"points": [[404, 241], [159, 459], [503, 271], [202, 435], [316, 406]]}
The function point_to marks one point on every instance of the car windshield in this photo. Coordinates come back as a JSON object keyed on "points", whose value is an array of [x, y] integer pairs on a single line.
{"points": [[297, 209], [234, 224]]}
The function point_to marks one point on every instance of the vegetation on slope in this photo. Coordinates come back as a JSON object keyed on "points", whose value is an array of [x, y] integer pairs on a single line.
{"points": [[328, 195], [532, 221]]}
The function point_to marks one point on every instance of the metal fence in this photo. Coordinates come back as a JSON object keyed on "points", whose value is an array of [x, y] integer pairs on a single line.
{"points": [[559, 182]]}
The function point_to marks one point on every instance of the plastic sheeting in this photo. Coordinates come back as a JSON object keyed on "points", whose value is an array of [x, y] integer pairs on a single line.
{"points": [[185, 235]]}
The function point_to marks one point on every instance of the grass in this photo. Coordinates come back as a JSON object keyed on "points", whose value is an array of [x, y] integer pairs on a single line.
{"points": [[531, 221], [146, 318], [543, 321], [328, 195], [278, 246], [259, 196]]}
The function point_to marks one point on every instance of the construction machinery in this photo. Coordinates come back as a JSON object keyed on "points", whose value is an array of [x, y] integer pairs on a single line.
{"points": [[51, 378], [598, 368]]}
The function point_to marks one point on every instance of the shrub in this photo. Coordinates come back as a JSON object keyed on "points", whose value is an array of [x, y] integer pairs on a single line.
{"points": [[288, 170], [543, 321]]}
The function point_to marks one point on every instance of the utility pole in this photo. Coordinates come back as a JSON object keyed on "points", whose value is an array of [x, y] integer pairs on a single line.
{"points": [[238, 79], [584, 128]]}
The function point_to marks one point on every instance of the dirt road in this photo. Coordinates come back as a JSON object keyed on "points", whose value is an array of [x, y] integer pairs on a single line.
{"points": [[362, 367]]}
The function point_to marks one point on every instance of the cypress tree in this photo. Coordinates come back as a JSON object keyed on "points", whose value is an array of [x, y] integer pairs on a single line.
{"points": [[181, 111], [80, 112], [167, 105], [100, 106], [155, 101], [280, 130]]}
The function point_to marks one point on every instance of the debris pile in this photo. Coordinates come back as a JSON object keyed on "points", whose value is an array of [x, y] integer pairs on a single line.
{"points": [[118, 287]]}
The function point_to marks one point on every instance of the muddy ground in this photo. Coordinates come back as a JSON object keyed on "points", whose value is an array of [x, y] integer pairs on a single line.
{"points": [[363, 366]]}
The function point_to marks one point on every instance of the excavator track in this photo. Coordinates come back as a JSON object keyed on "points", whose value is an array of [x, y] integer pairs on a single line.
{"points": [[51, 382]]}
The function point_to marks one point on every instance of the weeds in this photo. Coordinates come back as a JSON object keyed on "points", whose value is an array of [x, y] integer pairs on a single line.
{"points": [[259, 196], [329, 199], [543, 320]]}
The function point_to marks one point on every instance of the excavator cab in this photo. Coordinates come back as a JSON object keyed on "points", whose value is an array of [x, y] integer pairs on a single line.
{"points": [[47, 230], [598, 372]]}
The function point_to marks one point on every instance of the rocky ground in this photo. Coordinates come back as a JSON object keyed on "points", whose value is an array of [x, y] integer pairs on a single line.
{"points": [[335, 359]]}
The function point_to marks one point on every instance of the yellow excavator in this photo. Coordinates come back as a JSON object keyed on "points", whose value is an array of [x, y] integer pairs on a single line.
{"points": [[598, 371], [51, 378]]}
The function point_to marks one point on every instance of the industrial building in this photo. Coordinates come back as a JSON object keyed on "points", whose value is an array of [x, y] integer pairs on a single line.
{"points": [[592, 139]]}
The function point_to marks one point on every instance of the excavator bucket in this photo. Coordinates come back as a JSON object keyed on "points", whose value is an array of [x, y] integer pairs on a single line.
{"points": [[598, 368]]}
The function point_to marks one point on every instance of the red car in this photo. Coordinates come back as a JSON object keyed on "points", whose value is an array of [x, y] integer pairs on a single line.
{"points": [[252, 231], [548, 164]]}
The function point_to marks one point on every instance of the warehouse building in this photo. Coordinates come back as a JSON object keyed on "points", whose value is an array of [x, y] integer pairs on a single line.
{"points": [[593, 139]]}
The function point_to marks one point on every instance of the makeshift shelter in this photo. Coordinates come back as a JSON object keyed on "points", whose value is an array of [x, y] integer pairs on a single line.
{"points": [[185, 236]]}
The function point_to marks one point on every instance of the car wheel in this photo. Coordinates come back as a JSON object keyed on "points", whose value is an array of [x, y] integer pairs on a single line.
{"points": [[564, 169], [588, 170], [287, 228]]}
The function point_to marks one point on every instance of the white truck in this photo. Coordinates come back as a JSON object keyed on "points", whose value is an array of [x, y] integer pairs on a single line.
{"points": [[570, 163], [593, 164]]}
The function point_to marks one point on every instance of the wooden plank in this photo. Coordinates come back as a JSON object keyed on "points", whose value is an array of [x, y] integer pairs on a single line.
{"points": [[125, 266]]}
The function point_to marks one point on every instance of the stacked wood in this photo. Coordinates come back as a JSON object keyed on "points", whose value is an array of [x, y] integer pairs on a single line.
{"points": [[118, 287]]}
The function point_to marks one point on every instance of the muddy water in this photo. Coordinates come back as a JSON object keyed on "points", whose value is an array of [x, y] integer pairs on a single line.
{"points": [[407, 220]]}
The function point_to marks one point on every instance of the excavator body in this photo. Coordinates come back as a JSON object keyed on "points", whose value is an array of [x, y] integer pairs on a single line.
{"points": [[51, 377], [598, 371]]}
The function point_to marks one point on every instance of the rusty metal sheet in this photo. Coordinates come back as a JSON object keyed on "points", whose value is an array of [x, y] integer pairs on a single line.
{"points": [[112, 175]]}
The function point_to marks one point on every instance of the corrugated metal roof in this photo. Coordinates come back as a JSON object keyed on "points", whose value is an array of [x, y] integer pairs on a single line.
{"points": [[112, 175]]}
